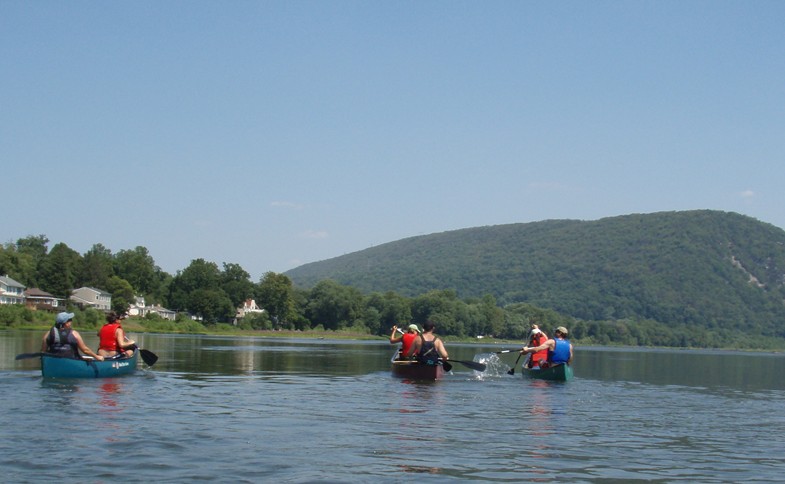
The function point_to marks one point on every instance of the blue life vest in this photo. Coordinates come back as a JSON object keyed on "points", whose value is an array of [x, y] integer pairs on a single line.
{"points": [[560, 353]]}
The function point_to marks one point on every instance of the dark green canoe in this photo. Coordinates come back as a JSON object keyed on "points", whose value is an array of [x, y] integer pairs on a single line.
{"points": [[561, 372]]}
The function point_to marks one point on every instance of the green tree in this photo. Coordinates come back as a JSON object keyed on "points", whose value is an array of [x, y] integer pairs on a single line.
{"points": [[122, 294], [275, 295], [212, 305], [200, 274], [334, 306], [236, 283], [59, 270], [138, 268], [97, 267]]}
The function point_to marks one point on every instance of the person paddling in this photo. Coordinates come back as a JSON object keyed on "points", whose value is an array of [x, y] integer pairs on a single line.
{"points": [[559, 348], [63, 340], [536, 338], [112, 338], [428, 347], [406, 339]]}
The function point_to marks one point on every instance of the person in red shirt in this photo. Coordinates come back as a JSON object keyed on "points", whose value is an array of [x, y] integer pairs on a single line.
{"points": [[536, 338], [112, 340], [406, 339]]}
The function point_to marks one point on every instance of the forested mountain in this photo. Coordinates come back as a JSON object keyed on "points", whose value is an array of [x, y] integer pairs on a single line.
{"points": [[708, 269]]}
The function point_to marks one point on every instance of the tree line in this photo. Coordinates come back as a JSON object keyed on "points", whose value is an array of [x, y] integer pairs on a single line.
{"points": [[213, 293]]}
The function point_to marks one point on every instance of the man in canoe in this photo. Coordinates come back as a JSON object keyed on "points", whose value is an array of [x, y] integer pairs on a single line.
{"points": [[559, 348], [428, 347], [112, 340], [63, 340], [406, 339]]}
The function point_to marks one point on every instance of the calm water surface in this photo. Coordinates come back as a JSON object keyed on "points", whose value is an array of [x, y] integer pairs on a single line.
{"points": [[259, 409]]}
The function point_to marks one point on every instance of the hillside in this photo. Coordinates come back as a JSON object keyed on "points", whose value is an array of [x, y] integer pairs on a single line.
{"points": [[707, 268]]}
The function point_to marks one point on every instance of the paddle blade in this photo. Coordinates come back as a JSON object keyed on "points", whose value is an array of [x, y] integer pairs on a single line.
{"points": [[148, 357], [25, 356], [447, 366]]}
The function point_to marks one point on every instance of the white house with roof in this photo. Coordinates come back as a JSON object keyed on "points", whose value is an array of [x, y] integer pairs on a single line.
{"points": [[11, 292], [90, 297]]}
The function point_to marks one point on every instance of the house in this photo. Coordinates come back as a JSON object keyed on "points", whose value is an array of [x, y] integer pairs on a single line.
{"points": [[90, 297], [163, 312], [249, 307], [11, 292], [140, 309], [37, 299]]}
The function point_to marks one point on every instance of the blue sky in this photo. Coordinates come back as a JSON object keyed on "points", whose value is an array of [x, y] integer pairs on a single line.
{"points": [[272, 134]]}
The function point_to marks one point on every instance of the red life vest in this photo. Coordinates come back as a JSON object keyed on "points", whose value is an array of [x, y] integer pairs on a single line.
{"points": [[407, 340], [108, 338], [537, 340]]}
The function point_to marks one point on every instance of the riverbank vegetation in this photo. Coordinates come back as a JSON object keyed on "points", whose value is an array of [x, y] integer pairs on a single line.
{"points": [[694, 279]]}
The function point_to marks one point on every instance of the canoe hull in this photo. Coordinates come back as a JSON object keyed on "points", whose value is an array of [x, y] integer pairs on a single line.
{"points": [[414, 370], [554, 373], [55, 367]]}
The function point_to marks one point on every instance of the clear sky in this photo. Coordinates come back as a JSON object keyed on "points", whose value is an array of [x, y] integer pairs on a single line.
{"points": [[275, 133]]}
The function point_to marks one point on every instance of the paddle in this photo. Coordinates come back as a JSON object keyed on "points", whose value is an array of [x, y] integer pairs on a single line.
{"points": [[148, 357], [511, 371], [24, 356], [471, 364]]}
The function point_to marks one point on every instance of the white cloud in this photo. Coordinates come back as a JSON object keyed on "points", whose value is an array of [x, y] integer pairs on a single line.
{"points": [[315, 234], [283, 204], [747, 194]]}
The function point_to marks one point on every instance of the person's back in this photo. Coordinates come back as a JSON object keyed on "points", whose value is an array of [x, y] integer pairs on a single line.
{"points": [[61, 342], [406, 342], [560, 352]]}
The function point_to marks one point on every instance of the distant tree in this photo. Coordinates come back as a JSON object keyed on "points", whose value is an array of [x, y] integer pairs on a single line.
{"points": [[390, 309], [59, 270], [200, 274], [138, 268], [275, 294], [20, 267], [236, 283], [97, 267], [212, 305], [122, 294], [334, 306]]}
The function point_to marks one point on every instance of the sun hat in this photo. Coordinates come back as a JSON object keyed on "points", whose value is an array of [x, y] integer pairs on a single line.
{"points": [[64, 317], [414, 327], [536, 331], [562, 330]]}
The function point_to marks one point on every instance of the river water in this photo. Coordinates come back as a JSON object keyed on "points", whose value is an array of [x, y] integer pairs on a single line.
{"points": [[231, 409]]}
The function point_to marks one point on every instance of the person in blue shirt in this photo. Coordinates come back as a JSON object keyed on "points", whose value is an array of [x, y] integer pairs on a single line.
{"points": [[559, 348]]}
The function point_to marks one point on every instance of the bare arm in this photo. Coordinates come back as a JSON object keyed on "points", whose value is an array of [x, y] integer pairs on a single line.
{"points": [[415, 348], [441, 349], [84, 348], [393, 338], [122, 342], [548, 345], [44, 346]]}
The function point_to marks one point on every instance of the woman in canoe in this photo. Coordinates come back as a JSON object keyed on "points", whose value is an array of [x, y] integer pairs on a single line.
{"points": [[428, 347], [536, 338], [63, 340], [406, 339], [112, 338]]}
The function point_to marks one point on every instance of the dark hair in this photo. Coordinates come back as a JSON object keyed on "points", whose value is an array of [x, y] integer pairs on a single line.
{"points": [[428, 326], [111, 316]]}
